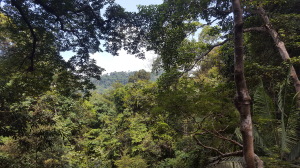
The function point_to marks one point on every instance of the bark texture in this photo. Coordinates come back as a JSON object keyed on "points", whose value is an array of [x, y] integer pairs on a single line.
{"points": [[282, 50], [242, 99]]}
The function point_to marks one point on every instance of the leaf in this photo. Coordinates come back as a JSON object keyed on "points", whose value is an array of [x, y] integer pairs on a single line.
{"points": [[229, 162], [295, 152]]}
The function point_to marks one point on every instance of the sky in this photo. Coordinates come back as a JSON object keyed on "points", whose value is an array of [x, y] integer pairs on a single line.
{"points": [[123, 62], [131, 5]]}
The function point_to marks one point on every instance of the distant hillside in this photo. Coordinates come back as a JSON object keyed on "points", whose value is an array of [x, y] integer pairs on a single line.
{"points": [[122, 77]]}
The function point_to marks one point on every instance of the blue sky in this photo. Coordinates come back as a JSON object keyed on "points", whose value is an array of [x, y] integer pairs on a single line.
{"points": [[123, 62]]}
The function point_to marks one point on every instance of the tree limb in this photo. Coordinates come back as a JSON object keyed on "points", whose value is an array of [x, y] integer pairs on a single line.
{"points": [[218, 135], [262, 29], [199, 57], [50, 10], [282, 50], [236, 153], [220, 12], [221, 155], [207, 147], [34, 38]]}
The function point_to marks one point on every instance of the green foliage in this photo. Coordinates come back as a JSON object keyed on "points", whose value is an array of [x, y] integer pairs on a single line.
{"points": [[74, 26], [276, 127], [109, 81], [209, 35], [128, 162], [182, 159], [230, 162], [139, 75], [51, 124], [51, 118]]}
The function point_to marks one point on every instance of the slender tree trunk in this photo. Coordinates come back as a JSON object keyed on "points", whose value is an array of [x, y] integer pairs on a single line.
{"points": [[242, 99], [282, 50]]}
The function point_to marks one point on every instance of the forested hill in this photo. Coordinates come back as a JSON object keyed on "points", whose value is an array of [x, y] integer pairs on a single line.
{"points": [[107, 80]]}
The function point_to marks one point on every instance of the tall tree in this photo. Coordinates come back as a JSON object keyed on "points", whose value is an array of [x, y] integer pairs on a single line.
{"points": [[280, 45], [172, 22], [242, 99], [78, 26]]}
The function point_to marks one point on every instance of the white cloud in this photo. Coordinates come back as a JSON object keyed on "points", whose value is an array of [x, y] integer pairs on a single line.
{"points": [[123, 62]]}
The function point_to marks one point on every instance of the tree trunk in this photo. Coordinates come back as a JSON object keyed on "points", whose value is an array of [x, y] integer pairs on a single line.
{"points": [[242, 99], [282, 50]]}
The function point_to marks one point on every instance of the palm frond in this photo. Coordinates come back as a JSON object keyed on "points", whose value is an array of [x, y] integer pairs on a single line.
{"points": [[228, 162], [281, 105], [288, 126], [293, 140], [258, 139], [263, 105], [238, 134], [295, 152], [264, 118]]}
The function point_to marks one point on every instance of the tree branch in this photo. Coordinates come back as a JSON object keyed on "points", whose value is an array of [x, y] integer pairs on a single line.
{"points": [[282, 50], [207, 147], [34, 38], [262, 29], [53, 12], [236, 153], [199, 57], [218, 135], [58, 17], [220, 12], [222, 155]]}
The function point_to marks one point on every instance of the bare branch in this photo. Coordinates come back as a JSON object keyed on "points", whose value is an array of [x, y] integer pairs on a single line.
{"points": [[198, 58], [201, 56], [218, 135], [222, 155], [236, 153], [262, 29], [207, 147]]}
